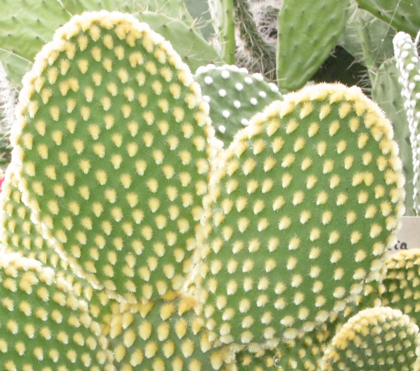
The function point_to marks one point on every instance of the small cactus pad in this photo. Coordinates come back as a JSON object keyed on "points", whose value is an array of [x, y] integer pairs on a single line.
{"points": [[112, 153], [163, 335], [305, 202], [403, 15], [234, 97], [402, 283], [307, 31], [44, 324], [408, 62], [375, 339], [17, 232]]}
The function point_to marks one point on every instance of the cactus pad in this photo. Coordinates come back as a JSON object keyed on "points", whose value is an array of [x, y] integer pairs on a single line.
{"points": [[234, 97], [386, 91], [403, 16], [408, 63], [306, 34], [375, 339], [402, 283], [18, 233], [305, 202], [44, 324], [114, 159]]}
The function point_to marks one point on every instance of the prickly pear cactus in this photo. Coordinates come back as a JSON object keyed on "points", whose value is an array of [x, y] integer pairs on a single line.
{"points": [[409, 65], [311, 179], [375, 339], [403, 16], [320, 24], [131, 240], [234, 96]]}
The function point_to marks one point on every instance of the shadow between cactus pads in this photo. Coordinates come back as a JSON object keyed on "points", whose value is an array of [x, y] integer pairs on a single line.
{"points": [[187, 257]]}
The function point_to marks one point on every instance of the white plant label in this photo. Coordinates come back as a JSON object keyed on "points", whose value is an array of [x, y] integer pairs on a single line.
{"points": [[409, 235]]}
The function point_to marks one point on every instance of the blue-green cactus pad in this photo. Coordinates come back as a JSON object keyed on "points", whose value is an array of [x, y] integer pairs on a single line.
{"points": [[234, 96]]}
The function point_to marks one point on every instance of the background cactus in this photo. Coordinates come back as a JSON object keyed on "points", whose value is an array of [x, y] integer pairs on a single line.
{"points": [[235, 96], [409, 65], [320, 26], [192, 196]]}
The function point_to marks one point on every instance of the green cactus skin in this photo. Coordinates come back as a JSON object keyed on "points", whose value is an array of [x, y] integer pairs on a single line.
{"points": [[234, 96], [306, 34], [224, 25], [375, 339], [316, 177], [386, 92], [164, 335], [403, 16], [401, 283], [44, 324], [175, 9], [17, 233], [259, 360], [409, 65], [192, 48], [378, 36], [27, 26], [83, 161]]}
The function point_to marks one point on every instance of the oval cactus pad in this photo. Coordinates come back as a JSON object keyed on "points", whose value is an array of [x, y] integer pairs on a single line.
{"points": [[113, 140], [305, 202]]}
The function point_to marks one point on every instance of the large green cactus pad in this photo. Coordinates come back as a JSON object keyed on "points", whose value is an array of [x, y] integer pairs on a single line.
{"points": [[305, 202], [403, 15], [375, 339], [115, 164], [307, 32], [234, 97]]}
